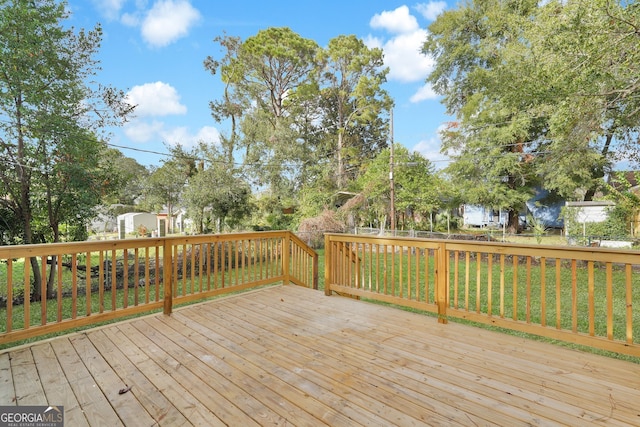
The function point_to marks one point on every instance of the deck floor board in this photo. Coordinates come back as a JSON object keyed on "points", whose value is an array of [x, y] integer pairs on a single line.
{"points": [[286, 355]]}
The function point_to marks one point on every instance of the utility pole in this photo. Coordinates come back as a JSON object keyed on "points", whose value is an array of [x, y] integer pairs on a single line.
{"points": [[392, 194]]}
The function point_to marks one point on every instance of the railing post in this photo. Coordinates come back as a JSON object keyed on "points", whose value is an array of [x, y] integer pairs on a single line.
{"points": [[442, 273], [327, 265], [315, 272], [286, 250], [167, 268]]}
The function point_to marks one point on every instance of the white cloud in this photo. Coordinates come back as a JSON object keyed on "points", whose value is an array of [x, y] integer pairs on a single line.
{"points": [[402, 50], [178, 136], [424, 93], [110, 9], [141, 131], [156, 131], [167, 21], [208, 134], [430, 149], [130, 19], [182, 136], [395, 21], [432, 9], [373, 42], [403, 57], [155, 99]]}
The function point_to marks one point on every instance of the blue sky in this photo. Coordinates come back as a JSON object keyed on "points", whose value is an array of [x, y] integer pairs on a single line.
{"points": [[154, 50]]}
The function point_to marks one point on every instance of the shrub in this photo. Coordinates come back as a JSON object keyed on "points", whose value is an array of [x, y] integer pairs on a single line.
{"points": [[312, 230]]}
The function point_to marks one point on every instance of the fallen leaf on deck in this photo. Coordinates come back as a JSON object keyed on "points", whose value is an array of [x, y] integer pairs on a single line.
{"points": [[126, 389]]}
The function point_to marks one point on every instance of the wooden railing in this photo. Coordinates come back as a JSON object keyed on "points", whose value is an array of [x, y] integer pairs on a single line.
{"points": [[579, 295], [55, 287]]}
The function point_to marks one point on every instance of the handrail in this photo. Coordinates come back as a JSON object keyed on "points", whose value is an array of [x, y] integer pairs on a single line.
{"points": [[83, 283], [574, 294]]}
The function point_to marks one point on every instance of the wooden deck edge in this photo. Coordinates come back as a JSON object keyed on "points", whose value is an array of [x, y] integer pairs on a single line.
{"points": [[129, 320]]}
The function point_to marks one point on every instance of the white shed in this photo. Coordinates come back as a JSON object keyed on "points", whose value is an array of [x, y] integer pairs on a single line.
{"points": [[594, 211], [132, 222], [586, 212]]}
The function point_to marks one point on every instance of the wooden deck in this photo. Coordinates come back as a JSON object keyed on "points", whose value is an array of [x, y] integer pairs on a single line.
{"points": [[292, 356]]}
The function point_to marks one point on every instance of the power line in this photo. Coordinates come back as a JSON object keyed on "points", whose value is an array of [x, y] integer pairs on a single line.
{"points": [[140, 150], [197, 158]]}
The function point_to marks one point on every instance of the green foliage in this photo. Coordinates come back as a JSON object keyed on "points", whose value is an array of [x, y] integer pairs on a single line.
{"points": [[494, 133], [538, 227], [619, 218], [375, 188], [52, 172], [165, 184], [445, 223], [214, 196], [313, 200], [125, 182], [10, 227], [615, 226], [268, 69], [540, 95], [418, 190], [279, 221], [270, 212], [353, 103], [304, 120]]}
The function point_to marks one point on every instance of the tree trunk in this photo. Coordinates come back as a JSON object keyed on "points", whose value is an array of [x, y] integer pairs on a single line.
{"points": [[340, 178], [598, 172], [51, 292], [26, 217], [513, 222]]}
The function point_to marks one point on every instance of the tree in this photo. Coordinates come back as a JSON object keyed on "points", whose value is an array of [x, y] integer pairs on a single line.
{"points": [[10, 227], [305, 119], [542, 93], [590, 50], [276, 63], [273, 63], [417, 188], [235, 101], [50, 112], [126, 180], [495, 137], [71, 183], [353, 103], [216, 193], [165, 186], [375, 189], [262, 76], [345, 121], [419, 191]]}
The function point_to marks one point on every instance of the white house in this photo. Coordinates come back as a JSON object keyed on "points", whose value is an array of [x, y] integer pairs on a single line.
{"points": [[483, 216], [543, 206]]}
